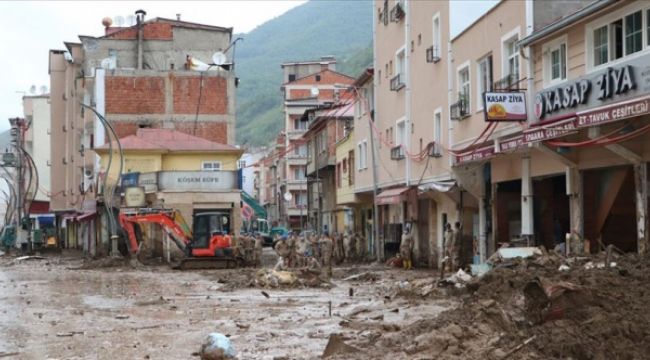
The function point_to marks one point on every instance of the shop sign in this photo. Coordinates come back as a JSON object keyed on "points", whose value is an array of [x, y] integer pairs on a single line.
{"points": [[197, 180], [475, 155], [149, 181], [134, 196], [511, 144], [614, 112], [549, 131], [613, 84], [504, 106]]}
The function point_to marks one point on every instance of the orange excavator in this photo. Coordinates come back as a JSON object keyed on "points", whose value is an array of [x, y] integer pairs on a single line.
{"points": [[208, 246]]}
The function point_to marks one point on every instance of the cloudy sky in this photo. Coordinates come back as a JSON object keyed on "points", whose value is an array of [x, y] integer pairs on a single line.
{"points": [[30, 29]]}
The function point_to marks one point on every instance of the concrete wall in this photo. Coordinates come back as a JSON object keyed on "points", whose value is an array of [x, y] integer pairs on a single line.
{"points": [[37, 109]]}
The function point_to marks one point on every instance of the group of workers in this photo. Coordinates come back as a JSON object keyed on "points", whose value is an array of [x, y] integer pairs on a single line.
{"points": [[451, 246]]}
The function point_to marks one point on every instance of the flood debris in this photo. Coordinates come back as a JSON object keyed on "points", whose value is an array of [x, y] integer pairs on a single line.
{"points": [[217, 346], [336, 346]]}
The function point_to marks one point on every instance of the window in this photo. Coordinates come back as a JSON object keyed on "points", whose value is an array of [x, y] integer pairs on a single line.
{"points": [[436, 34], [512, 57], [211, 166], [464, 85], [633, 33], [600, 46], [484, 79], [400, 134], [350, 172], [555, 60], [400, 63], [362, 149], [292, 77], [437, 127], [298, 173], [300, 150], [299, 125], [317, 77], [620, 35]]}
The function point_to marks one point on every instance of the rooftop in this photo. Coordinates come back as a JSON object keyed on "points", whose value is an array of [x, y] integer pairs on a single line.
{"points": [[164, 140]]}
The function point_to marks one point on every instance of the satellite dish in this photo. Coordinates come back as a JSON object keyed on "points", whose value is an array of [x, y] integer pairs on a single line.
{"points": [[219, 58], [315, 91], [130, 20], [119, 20], [108, 63], [32, 89], [288, 197], [43, 89]]}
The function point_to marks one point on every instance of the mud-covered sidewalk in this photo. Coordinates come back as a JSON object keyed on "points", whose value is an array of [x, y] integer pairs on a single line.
{"points": [[63, 307]]}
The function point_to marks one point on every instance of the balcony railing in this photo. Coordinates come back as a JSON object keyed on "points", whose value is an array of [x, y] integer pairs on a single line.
{"points": [[460, 109], [433, 54], [396, 83], [397, 152], [509, 82]]}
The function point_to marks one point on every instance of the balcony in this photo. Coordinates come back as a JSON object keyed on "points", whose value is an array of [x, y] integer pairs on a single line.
{"points": [[296, 210], [396, 13], [509, 82], [296, 159], [396, 83], [433, 54], [295, 134], [296, 184], [397, 152], [460, 109]]}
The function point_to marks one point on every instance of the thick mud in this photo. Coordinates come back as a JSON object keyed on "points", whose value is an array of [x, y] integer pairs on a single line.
{"points": [[63, 307]]}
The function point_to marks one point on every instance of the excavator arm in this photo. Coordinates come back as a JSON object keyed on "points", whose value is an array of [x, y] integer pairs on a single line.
{"points": [[171, 222]]}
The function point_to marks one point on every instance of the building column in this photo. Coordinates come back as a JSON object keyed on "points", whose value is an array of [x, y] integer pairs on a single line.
{"points": [[641, 195], [575, 193], [527, 222]]}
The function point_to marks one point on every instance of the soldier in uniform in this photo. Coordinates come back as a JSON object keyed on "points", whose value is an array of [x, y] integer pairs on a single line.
{"points": [[257, 251], [282, 249], [406, 249], [327, 248], [362, 246]]}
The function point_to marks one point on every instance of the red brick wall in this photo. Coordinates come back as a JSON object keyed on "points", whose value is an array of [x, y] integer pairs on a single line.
{"points": [[326, 77], [123, 129], [213, 131], [299, 93], [135, 95], [214, 99], [152, 31]]}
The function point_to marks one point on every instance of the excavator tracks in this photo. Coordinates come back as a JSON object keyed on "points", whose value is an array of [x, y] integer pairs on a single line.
{"points": [[196, 263]]}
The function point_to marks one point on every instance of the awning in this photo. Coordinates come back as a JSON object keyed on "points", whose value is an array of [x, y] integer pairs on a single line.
{"points": [[391, 196], [85, 216], [440, 186]]}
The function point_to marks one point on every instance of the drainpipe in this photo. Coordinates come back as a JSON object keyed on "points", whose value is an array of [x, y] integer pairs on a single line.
{"points": [[140, 23], [407, 88], [375, 186]]}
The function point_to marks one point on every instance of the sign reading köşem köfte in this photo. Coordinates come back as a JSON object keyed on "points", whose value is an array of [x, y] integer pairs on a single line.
{"points": [[504, 106], [197, 180]]}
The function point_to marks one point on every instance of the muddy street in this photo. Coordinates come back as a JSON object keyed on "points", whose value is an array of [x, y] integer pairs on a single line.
{"points": [[63, 307]]}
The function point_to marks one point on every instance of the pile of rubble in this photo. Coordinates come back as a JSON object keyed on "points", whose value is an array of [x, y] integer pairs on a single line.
{"points": [[543, 307]]}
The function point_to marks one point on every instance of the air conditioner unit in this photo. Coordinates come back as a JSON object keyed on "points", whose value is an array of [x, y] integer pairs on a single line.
{"points": [[433, 54]]}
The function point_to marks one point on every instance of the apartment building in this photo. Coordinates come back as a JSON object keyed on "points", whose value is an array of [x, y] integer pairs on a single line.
{"points": [[150, 75], [485, 58], [306, 85], [36, 109], [411, 125]]}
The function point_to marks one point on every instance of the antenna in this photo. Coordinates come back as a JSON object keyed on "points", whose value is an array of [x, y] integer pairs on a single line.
{"points": [[315, 92], [130, 20], [219, 58], [32, 89]]}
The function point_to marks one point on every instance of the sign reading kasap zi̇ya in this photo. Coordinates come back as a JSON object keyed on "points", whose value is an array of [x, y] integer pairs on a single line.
{"points": [[504, 106]]}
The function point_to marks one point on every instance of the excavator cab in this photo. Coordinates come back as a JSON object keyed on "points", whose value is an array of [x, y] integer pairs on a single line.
{"points": [[210, 234]]}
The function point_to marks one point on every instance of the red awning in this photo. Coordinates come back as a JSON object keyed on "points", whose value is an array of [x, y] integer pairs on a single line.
{"points": [[392, 196], [87, 216]]}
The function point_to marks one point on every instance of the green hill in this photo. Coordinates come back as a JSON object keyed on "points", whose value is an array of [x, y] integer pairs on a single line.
{"points": [[306, 32]]}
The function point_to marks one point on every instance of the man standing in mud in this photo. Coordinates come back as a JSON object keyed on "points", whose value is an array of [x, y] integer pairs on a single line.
{"points": [[406, 248], [327, 248], [447, 246], [455, 250], [282, 249], [257, 251]]}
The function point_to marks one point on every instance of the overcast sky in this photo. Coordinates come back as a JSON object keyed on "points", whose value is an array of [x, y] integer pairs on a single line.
{"points": [[29, 30]]}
